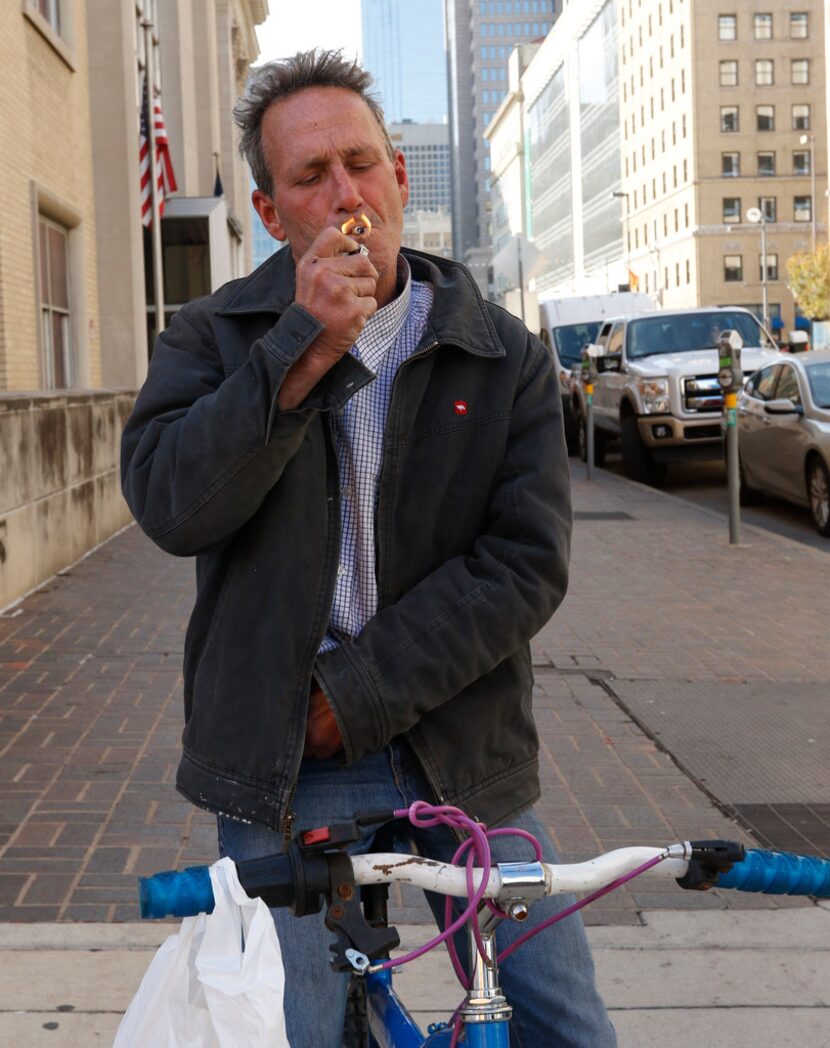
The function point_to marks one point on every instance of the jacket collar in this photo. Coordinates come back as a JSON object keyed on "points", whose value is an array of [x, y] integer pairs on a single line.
{"points": [[459, 316]]}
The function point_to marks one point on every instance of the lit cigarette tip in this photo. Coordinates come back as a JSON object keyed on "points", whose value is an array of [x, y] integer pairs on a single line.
{"points": [[361, 227]]}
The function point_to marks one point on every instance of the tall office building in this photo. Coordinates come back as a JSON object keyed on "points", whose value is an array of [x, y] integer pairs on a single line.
{"points": [[657, 136], [480, 36], [403, 49]]}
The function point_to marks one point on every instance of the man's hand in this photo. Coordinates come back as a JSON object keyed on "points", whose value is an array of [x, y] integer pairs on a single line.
{"points": [[338, 289], [322, 736]]}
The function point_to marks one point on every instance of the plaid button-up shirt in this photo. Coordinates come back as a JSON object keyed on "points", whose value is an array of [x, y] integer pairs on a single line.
{"points": [[389, 337]]}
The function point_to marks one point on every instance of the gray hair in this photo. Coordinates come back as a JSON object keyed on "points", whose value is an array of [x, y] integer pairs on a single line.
{"points": [[277, 80]]}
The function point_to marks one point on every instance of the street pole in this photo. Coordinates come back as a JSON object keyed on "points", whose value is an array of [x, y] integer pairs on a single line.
{"points": [[764, 270], [730, 379], [155, 230], [589, 424]]}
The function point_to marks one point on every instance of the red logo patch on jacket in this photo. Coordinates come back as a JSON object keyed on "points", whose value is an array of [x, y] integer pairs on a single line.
{"points": [[460, 407]]}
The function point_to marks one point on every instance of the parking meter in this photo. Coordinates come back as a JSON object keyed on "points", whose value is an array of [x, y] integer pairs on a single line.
{"points": [[589, 356], [730, 376], [731, 379]]}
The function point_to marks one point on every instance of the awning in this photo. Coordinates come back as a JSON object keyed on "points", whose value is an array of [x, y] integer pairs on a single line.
{"points": [[802, 324]]}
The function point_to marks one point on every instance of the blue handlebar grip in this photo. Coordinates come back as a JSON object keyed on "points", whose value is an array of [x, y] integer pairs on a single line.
{"points": [[779, 873], [176, 893]]}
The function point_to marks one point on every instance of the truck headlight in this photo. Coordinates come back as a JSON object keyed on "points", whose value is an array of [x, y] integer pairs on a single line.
{"points": [[655, 395]]}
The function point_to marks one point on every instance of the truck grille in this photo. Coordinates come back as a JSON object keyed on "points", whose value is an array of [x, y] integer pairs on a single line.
{"points": [[702, 393]]}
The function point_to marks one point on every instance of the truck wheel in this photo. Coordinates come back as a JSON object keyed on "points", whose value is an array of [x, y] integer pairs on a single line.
{"points": [[582, 441], [818, 492], [638, 463]]}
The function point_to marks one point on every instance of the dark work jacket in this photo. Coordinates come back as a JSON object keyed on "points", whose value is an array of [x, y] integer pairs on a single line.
{"points": [[471, 541]]}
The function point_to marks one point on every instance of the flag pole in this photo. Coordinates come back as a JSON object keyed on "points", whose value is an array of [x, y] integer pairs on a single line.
{"points": [[155, 229]]}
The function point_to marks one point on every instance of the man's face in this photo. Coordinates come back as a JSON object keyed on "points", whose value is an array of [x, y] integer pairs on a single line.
{"points": [[329, 162]]}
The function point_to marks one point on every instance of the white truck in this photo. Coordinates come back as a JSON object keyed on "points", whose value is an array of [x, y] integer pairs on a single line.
{"points": [[568, 324], [656, 388]]}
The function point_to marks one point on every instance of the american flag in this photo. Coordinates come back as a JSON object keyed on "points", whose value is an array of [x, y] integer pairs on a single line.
{"points": [[164, 165]]}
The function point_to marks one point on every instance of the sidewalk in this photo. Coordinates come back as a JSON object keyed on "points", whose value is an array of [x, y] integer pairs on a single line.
{"points": [[669, 645]]}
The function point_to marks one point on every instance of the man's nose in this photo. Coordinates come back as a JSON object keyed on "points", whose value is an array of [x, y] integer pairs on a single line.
{"points": [[347, 193]]}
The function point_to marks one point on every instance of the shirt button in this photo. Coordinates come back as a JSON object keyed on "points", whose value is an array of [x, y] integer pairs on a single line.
{"points": [[342, 570], [348, 491]]}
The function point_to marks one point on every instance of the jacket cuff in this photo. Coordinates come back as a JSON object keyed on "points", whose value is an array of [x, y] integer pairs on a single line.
{"points": [[354, 700], [292, 334]]}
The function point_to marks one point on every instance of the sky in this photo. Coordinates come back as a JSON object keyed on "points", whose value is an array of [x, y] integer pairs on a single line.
{"points": [[298, 26]]}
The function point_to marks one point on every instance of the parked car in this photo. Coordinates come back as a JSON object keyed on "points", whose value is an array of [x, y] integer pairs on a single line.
{"points": [[657, 388], [568, 324], [784, 433]]}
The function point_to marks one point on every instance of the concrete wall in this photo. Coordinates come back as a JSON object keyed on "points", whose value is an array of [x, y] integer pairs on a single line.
{"points": [[60, 493]]}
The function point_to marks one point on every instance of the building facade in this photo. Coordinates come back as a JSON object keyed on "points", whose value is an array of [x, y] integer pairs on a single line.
{"points": [[722, 113], [403, 49], [50, 334], [480, 35], [656, 132], [74, 273]]}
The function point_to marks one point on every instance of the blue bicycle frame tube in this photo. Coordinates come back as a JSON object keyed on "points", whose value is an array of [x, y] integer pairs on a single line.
{"points": [[487, 1035], [390, 1023]]}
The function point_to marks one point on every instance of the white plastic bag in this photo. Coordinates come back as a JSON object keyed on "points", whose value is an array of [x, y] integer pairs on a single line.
{"points": [[203, 989]]}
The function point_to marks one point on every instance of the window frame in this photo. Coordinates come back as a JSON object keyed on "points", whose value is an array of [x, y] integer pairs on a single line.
{"points": [[793, 117], [764, 62], [738, 270], [758, 109], [809, 207], [736, 173], [735, 111], [722, 66], [795, 19], [724, 20], [770, 213], [798, 62], [762, 18], [769, 153], [738, 211]]}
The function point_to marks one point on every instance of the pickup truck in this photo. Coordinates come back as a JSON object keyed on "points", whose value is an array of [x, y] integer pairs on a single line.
{"points": [[656, 389]]}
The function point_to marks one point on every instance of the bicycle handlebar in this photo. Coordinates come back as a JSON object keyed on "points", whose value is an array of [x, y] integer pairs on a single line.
{"points": [[185, 893]]}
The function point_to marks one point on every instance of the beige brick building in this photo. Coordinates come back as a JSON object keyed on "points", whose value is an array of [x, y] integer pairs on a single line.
{"points": [[49, 318], [75, 266], [722, 110]]}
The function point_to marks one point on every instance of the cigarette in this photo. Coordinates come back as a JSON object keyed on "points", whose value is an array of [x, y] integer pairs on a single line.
{"points": [[361, 227]]}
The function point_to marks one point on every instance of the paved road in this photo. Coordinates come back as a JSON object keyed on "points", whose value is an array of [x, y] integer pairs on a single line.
{"points": [[704, 483]]}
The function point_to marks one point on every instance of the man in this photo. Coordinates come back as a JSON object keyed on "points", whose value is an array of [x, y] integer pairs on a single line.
{"points": [[367, 461]]}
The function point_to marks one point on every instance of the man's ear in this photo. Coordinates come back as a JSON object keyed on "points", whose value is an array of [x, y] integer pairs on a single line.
{"points": [[402, 176], [267, 211]]}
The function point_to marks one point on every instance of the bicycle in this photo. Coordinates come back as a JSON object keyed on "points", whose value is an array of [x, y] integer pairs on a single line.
{"points": [[315, 867]]}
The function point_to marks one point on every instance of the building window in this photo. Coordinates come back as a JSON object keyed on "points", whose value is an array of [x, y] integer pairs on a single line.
{"points": [[729, 118], [729, 73], [54, 304], [801, 162], [731, 209], [802, 209], [727, 27], [800, 71], [769, 208], [730, 165], [765, 118], [772, 266], [50, 10], [762, 25], [799, 25], [733, 268], [801, 118], [766, 164], [764, 72]]}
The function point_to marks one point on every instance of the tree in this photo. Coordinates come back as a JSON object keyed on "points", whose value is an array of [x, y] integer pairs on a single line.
{"points": [[809, 274]]}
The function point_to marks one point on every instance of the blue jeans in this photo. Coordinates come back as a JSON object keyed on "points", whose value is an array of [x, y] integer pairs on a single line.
{"points": [[549, 981]]}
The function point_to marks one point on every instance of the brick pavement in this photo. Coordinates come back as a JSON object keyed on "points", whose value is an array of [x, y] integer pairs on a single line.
{"points": [[90, 710]]}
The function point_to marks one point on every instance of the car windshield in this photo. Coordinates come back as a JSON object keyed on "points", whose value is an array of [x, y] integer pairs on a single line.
{"points": [[570, 338], [681, 332], [818, 375]]}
